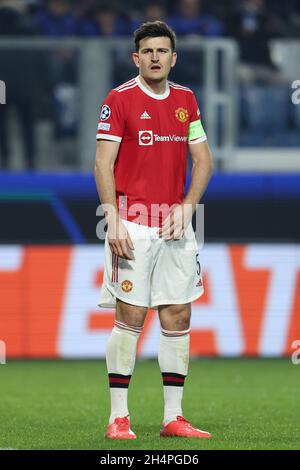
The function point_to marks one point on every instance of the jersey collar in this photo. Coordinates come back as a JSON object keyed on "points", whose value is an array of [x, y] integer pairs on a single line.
{"points": [[150, 93]]}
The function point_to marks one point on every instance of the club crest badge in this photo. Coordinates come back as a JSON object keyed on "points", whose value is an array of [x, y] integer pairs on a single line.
{"points": [[181, 114], [127, 286]]}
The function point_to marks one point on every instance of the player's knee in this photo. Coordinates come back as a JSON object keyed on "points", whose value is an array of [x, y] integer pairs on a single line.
{"points": [[135, 321], [176, 317], [131, 315], [182, 322]]}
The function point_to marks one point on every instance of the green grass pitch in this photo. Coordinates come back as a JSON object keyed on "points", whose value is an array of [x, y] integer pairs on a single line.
{"points": [[244, 403]]}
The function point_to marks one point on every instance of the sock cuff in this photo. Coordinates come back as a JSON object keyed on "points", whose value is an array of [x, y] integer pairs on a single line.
{"points": [[172, 379], [174, 334], [135, 330], [119, 380]]}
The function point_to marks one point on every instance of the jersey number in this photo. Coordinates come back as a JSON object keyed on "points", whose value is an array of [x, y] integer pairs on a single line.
{"points": [[198, 265]]}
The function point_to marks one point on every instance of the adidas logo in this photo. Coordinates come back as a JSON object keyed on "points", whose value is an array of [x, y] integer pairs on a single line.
{"points": [[145, 115]]}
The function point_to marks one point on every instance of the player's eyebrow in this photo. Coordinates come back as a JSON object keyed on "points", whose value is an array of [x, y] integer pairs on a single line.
{"points": [[149, 49]]}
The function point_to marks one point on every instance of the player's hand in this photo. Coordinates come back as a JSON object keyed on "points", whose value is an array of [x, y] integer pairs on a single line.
{"points": [[175, 224], [119, 239]]}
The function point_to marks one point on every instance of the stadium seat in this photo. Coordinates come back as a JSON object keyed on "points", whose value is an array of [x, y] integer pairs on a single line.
{"points": [[264, 115]]}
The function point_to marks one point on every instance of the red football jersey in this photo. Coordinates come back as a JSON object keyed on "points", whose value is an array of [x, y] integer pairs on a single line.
{"points": [[150, 169]]}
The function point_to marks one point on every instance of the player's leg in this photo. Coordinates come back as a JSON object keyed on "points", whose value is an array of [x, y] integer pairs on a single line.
{"points": [[126, 282], [176, 282], [173, 361], [121, 355], [173, 355]]}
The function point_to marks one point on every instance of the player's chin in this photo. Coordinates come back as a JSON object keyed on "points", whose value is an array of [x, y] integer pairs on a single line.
{"points": [[159, 75]]}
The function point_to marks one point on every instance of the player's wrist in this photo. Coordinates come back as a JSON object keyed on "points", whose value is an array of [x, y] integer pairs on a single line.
{"points": [[112, 216], [189, 206]]}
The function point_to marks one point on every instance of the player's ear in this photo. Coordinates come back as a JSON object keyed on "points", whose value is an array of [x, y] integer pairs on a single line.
{"points": [[135, 58], [174, 59]]}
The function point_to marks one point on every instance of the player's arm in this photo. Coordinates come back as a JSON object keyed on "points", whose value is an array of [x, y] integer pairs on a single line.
{"points": [[201, 157], [118, 237], [176, 223], [201, 172]]}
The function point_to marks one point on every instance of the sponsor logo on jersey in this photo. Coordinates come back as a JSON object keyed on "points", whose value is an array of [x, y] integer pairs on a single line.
{"points": [[181, 114], [127, 286], [145, 115], [199, 283], [105, 112], [145, 137], [170, 138], [104, 126]]}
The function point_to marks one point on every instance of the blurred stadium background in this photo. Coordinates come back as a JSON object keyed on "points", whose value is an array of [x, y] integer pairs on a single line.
{"points": [[58, 60]]}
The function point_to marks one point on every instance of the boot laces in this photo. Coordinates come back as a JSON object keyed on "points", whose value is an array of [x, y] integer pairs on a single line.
{"points": [[123, 423], [181, 418]]}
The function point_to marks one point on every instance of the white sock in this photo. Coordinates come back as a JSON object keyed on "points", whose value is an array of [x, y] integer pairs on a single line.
{"points": [[173, 358], [120, 361]]}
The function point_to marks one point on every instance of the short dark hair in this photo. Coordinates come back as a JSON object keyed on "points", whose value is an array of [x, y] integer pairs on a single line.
{"points": [[154, 29]]}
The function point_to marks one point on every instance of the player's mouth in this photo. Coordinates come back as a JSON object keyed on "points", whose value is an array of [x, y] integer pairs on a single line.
{"points": [[155, 67]]}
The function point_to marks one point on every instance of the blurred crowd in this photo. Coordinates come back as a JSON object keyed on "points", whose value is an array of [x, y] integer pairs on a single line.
{"points": [[50, 89], [91, 18], [251, 22]]}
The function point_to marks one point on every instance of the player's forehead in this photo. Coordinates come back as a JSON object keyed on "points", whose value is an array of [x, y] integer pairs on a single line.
{"points": [[155, 43]]}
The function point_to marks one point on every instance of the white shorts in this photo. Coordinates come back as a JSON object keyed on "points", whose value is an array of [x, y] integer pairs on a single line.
{"points": [[162, 272]]}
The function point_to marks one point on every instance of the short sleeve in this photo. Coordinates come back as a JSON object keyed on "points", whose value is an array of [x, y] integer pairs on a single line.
{"points": [[196, 132], [111, 121]]}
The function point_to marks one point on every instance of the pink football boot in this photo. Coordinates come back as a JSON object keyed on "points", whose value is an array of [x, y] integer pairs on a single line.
{"points": [[182, 428], [120, 429]]}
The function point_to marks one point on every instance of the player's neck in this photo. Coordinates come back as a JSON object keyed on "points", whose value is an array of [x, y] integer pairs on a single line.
{"points": [[158, 88]]}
